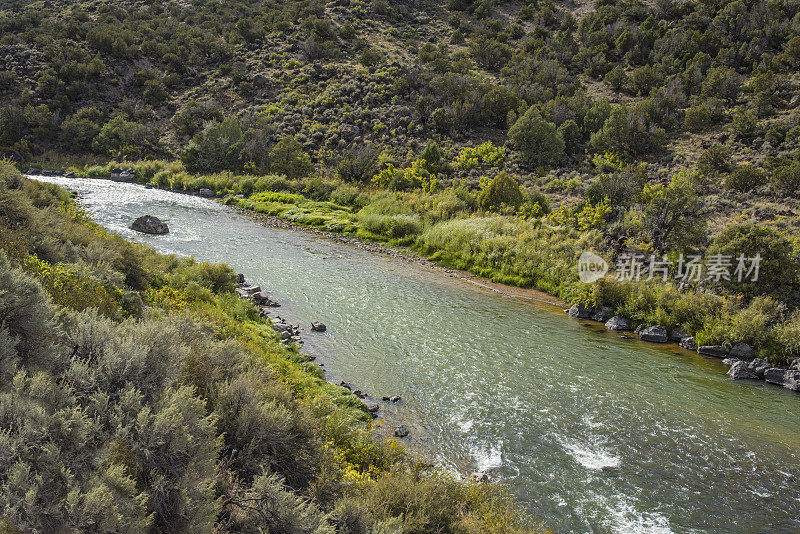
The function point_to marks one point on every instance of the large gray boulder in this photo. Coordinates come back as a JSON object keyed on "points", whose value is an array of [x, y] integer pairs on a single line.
{"points": [[740, 371], [618, 323], [742, 351], [148, 224], [788, 378], [654, 334], [207, 193], [580, 311], [717, 351], [758, 367]]}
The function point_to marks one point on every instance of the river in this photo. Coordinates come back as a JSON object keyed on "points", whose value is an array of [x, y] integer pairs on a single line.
{"points": [[592, 432]]}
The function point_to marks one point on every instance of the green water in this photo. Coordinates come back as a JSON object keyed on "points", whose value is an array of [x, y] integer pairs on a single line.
{"points": [[592, 432]]}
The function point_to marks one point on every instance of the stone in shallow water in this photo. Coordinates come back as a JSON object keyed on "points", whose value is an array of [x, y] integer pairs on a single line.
{"points": [[688, 343], [618, 323], [717, 351], [401, 431], [654, 334], [739, 371], [149, 224]]}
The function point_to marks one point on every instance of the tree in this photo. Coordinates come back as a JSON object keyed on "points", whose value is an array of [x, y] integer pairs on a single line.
{"points": [[121, 138], [538, 142], [287, 157], [503, 190], [628, 131], [777, 272], [214, 149], [671, 215]]}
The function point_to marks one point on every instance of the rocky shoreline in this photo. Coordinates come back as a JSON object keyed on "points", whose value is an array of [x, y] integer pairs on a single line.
{"points": [[292, 334], [739, 357]]}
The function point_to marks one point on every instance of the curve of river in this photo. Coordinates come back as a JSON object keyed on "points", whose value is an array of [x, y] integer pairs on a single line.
{"points": [[593, 433]]}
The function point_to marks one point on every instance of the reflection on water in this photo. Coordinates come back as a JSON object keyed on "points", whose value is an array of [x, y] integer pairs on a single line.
{"points": [[592, 432]]}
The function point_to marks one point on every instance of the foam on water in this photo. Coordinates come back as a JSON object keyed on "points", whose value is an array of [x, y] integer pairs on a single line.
{"points": [[591, 456], [488, 457], [625, 519]]}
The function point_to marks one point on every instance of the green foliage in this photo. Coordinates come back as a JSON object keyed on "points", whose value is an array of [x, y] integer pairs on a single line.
{"points": [[786, 178], [669, 217], [484, 155], [777, 273], [287, 157], [503, 190], [538, 142], [628, 131], [745, 178], [124, 139], [715, 160]]}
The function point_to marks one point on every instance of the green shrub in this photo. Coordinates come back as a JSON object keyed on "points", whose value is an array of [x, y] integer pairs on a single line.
{"points": [[777, 272], [538, 142], [745, 179], [715, 160], [503, 190], [287, 157], [786, 179], [697, 118]]}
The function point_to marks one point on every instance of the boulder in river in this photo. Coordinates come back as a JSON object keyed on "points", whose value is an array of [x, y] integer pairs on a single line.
{"points": [[678, 334], [207, 193], [742, 351], [602, 314], [317, 326], [580, 311], [401, 431], [740, 371], [148, 224], [240, 279], [788, 378], [717, 351], [688, 343], [618, 322], [758, 366], [654, 334], [795, 364]]}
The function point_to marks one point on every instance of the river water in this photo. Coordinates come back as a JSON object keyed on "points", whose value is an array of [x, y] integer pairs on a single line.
{"points": [[592, 432]]}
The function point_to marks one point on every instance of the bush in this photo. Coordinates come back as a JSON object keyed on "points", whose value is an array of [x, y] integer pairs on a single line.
{"points": [[697, 119], [287, 157], [786, 178], [503, 190], [392, 226], [538, 142], [124, 139], [745, 179], [715, 160], [777, 272]]}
